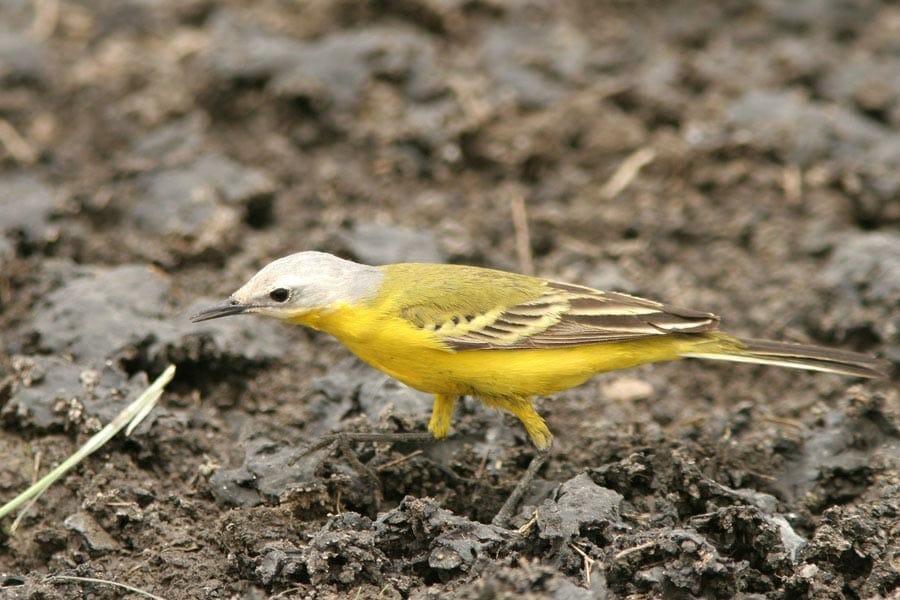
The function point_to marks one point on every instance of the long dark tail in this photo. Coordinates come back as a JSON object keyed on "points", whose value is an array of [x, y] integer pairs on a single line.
{"points": [[795, 356]]}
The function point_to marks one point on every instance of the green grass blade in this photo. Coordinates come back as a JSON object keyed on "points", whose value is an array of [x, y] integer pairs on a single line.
{"points": [[131, 416]]}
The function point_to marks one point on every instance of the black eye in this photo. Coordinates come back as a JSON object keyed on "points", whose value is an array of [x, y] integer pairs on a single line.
{"points": [[279, 294]]}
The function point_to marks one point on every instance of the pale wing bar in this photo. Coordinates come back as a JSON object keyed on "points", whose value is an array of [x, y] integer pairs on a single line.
{"points": [[571, 315]]}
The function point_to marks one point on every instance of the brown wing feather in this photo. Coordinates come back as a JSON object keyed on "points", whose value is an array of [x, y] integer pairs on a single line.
{"points": [[571, 315]]}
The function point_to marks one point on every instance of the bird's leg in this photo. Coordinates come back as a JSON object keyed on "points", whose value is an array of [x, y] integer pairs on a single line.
{"points": [[373, 436], [439, 427], [337, 438], [501, 519], [522, 408], [441, 414], [362, 470], [541, 437]]}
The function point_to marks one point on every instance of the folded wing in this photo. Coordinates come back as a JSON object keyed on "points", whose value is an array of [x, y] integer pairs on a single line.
{"points": [[569, 315]]}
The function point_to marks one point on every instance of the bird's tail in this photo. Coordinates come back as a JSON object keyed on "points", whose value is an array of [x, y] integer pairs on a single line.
{"points": [[786, 354]]}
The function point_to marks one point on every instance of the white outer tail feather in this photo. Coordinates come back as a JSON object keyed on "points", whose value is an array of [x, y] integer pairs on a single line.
{"points": [[754, 360]]}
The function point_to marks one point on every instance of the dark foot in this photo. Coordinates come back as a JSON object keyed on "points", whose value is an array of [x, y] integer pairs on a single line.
{"points": [[512, 503], [337, 438], [391, 438], [343, 440]]}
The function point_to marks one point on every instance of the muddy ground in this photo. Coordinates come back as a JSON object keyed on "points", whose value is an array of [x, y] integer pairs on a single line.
{"points": [[738, 157]]}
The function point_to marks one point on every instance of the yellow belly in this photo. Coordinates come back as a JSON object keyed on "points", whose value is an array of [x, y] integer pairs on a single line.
{"points": [[416, 358], [509, 372]]}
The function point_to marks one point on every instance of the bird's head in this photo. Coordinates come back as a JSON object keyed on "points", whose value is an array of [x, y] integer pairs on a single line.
{"points": [[298, 284]]}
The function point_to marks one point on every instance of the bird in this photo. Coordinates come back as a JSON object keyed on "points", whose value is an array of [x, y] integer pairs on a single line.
{"points": [[502, 337]]}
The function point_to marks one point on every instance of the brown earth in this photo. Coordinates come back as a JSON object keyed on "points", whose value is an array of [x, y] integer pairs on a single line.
{"points": [[737, 157]]}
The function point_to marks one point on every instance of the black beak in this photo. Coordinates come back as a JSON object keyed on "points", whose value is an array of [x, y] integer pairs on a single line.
{"points": [[226, 309]]}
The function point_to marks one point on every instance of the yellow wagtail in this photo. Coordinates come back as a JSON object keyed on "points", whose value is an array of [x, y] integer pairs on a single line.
{"points": [[454, 330]]}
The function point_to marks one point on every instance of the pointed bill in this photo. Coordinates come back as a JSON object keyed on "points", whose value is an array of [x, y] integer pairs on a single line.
{"points": [[225, 309]]}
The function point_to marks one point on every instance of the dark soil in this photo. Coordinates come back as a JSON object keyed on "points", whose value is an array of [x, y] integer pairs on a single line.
{"points": [[737, 157]]}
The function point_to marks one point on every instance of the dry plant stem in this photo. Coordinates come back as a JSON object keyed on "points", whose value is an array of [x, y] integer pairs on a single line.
{"points": [[46, 18], [627, 172], [512, 503], [523, 234], [400, 460], [588, 564], [16, 145], [94, 580]]}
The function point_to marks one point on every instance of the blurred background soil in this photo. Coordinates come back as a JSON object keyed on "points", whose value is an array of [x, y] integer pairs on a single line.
{"points": [[737, 157]]}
